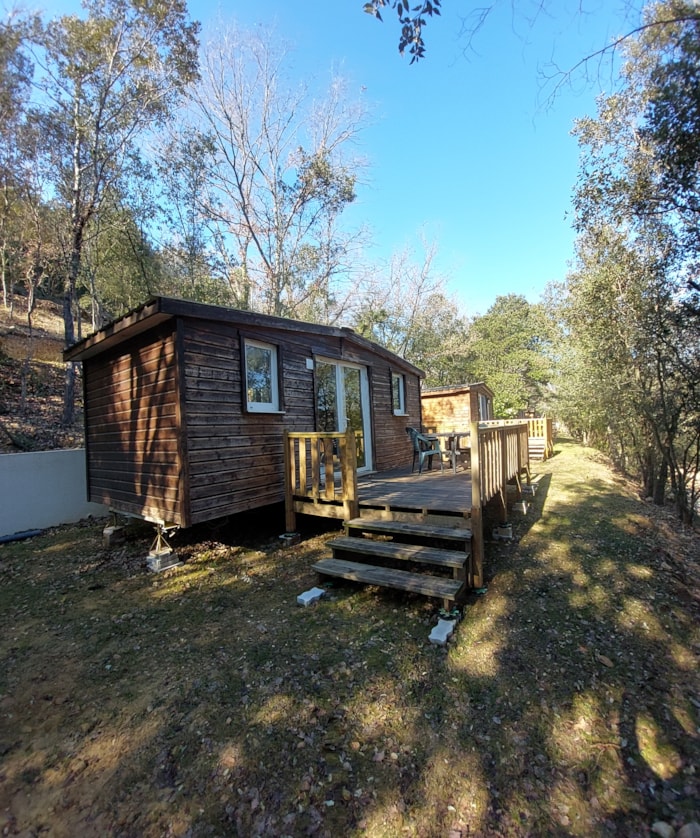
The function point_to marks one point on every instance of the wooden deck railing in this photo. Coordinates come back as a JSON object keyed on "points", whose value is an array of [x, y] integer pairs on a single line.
{"points": [[540, 432], [503, 456], [499, 454], [320, 475]]}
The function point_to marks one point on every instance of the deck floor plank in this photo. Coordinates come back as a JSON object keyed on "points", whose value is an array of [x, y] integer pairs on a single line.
{"points": [[433, 491], [460, 534]]}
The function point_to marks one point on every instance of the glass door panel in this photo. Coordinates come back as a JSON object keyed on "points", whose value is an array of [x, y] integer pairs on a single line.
{"points": [[327, 396], [342, 402], [354, 415]]}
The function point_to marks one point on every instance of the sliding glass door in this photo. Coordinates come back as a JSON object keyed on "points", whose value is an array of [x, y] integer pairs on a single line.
{"points": [[342, 402]]}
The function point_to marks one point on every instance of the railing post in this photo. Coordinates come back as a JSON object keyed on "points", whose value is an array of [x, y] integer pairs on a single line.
{"points": [[505, 464], [348, 466], [289, 513], [519, 460], [477, 557]]}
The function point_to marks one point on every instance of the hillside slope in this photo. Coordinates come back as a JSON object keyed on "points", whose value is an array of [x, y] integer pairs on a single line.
{"points": [[32, 377]]}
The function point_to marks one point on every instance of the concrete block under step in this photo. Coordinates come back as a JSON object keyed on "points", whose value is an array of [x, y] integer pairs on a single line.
{"points": [[503, 532], [442, 632], [112, 536], [310, 596]]}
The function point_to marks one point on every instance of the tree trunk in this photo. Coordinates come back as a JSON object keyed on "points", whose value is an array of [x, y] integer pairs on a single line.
{"points": [[69, 324], [660, 480]]}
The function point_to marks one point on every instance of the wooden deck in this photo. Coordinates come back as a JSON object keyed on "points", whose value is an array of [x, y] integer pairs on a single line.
{"points": [[432, 493], [321, 479]]}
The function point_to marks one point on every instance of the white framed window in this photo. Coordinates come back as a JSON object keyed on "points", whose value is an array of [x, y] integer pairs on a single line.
{"points": [[261, 377], [398, 394]]}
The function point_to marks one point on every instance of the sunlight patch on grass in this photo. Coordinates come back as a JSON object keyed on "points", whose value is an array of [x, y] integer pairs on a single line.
{"points": [[476, 653], [188, 580], [277, 708], [61, 547], [380, 710], [638, 618], [682, 713], [569, 807], [629, 524], [594, 595], [230, 757], [637, 571], [607, 567], [478, 658], [659, 755], [572, 733], [683, 657], [455, 798], [573, 568], [98, 756]]}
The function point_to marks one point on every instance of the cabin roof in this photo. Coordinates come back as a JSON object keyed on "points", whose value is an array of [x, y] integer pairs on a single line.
{"points": [[157, 310], [456, 389]]}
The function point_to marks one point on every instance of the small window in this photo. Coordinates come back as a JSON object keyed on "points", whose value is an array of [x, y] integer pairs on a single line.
{"points": [[262, 387], [483, 408], [398, 394]]}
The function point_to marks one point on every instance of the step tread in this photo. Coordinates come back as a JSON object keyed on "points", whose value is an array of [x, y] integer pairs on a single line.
{"points": [[406, 528], [405, 552], [402, 579]]}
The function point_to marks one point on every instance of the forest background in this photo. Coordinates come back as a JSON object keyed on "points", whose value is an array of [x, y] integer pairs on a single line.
{"points": [[135, 161]]}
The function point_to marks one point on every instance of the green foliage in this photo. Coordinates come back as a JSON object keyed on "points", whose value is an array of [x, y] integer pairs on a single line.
{"points": [[509, 349], [411, 19], [672, 122], [631, 328], [104, 80]]}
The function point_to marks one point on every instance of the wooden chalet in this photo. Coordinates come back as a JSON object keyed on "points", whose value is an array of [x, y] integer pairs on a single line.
{"points": [[186, 406], [195, 412], [447, 409]]}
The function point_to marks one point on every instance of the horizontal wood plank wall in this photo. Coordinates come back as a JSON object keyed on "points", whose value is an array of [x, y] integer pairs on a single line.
{"points": [[445, 413], [132, 429], [235, 458], [392, 445]]}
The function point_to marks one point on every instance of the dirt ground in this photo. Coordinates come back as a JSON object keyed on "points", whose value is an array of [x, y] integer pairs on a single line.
{"points": [[203, 701]]}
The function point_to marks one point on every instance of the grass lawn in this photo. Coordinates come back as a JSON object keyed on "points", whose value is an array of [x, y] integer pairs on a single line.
{"points": [[204, 702]]}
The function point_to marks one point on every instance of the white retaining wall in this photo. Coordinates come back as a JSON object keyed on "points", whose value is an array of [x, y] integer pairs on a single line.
{"points": [[44, 489]]}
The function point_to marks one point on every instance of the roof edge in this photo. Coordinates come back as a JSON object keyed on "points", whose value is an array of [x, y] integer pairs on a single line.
{"points": [[158, 309]]}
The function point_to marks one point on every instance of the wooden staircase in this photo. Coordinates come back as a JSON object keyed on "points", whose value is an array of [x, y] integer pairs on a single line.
{"points": [[537, 448], [367, 555]]}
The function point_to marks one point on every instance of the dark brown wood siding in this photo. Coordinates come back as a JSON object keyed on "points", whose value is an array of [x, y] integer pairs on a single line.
{"points": [[132, 427], [236, 458], [392, 445]]}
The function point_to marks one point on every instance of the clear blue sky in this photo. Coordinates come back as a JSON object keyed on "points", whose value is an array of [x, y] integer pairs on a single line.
{"points": [[463, 145]]}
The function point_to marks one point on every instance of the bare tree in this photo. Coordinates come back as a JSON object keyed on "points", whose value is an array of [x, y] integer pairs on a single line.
{"points": [[408, 310], [279, 174]]}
